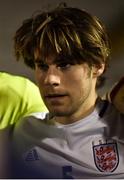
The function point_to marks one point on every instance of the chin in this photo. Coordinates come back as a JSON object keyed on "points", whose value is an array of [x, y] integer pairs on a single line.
{"points": [[60, 113]]}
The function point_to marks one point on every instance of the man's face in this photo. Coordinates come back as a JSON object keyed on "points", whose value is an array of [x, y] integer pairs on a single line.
{"points": [[64, 87]]}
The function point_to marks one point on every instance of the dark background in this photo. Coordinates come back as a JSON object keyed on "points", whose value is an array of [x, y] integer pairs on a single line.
{"points": [[13, 12]]}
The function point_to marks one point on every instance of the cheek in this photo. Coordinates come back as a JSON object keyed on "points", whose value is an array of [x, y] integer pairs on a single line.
{"points": [[38, 74], [38, 77], [82, 83], [75, 84]]}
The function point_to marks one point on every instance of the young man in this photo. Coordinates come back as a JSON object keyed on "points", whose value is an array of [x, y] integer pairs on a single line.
{"points": [[82, 135]]}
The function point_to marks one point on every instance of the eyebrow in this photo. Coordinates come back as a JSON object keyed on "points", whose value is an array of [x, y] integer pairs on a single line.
{"points": [[58, 59], [38, 61]]}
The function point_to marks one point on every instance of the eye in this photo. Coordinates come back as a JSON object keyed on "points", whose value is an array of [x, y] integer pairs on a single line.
{"points": [[42, 66], [64, 65]]}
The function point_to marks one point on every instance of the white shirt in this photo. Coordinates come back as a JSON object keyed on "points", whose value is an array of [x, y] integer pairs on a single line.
{"points": [[90, 148]]}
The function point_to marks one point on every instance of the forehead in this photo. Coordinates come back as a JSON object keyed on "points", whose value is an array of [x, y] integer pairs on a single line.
{"points": [[50, 59]]}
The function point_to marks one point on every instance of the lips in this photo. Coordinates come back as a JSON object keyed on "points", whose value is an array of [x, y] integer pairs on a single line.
{"points": [[52, 96]]}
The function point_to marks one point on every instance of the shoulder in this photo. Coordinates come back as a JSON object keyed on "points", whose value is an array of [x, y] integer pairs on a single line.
{"points": [[32, 120], [109, 114], [12, 82], [11, 88], [16, 82], [113, 121], [19, 95], [30, 126], [116, 95], [112, 111]]}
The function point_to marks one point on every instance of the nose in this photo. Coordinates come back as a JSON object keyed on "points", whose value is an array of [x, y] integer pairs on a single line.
{"points": [[52, 77]]}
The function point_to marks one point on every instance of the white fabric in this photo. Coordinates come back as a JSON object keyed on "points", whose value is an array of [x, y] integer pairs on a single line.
{"points": [[90, 148]]}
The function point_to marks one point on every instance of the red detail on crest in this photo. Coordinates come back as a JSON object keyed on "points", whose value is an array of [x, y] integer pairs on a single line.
{"points": [[106, 157]]}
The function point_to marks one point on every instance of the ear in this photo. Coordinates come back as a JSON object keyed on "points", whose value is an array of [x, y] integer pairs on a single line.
{"points": [[97, 71]]}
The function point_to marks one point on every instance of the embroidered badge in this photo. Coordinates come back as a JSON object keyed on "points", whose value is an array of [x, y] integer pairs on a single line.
{"points": [[106, 156]]}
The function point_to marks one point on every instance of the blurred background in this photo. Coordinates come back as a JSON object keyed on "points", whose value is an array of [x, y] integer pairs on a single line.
{"points": [[13, 12]]}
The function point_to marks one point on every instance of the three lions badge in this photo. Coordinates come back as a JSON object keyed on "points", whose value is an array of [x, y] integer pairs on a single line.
{"points": [[106, 156]]}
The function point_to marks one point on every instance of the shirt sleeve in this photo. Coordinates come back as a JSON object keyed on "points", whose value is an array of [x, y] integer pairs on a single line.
{"points": [[32, 99]]}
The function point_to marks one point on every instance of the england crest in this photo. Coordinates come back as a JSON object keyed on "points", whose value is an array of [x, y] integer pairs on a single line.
{"points": [[106, 156]]}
